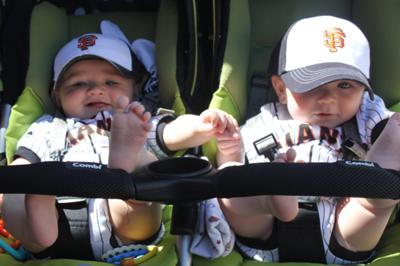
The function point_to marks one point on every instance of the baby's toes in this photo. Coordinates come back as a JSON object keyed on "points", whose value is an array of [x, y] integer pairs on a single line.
{"points": [[121, 104], [136, 108]]}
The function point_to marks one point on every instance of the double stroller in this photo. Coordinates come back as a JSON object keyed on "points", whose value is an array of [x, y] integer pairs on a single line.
{"points": [[210, 53]]}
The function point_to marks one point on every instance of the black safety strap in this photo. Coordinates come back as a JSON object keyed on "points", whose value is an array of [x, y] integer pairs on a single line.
{"points": [[300, 240], [259, 94], [261, 89], [376, 131], [74, 238], [352, 147]]}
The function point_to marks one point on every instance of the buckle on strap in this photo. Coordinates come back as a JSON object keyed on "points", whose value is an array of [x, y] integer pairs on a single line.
{"points": [[356, 149], [267, 146]]}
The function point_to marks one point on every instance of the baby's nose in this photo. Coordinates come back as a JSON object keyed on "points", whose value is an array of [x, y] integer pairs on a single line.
{"points": [[326, 96], [95, 89], [327, 100]]}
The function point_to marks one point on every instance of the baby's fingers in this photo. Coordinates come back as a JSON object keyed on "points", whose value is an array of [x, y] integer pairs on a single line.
{"points": [[136, 108], [288, 157], [228, 135], [232, 124], [218, 121], [227, 123], [229, 146]]}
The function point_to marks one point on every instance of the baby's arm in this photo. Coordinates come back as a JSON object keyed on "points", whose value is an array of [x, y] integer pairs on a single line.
{"points": [[229, 141], [191, 130], [31, 218]]}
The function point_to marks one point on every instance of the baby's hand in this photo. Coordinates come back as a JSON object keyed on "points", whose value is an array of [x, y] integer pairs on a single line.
{"points": [[230, 148], [193, 130], [218, 122], [225, 129]]}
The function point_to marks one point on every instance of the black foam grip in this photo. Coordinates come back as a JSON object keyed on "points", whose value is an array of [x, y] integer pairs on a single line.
{"points": [[340, 179], [67, 179]]}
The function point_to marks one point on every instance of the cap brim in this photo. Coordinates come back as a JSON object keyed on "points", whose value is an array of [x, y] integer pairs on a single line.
{"points": [[121, 69], [308, 78]]}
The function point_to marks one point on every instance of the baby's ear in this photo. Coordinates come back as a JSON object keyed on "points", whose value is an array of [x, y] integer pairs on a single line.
{"points": [[279, 87]]}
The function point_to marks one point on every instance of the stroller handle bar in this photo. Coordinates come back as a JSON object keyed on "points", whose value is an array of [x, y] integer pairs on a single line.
{"points": [[179, 180]]}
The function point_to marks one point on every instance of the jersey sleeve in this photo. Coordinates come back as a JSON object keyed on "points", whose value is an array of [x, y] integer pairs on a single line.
{"points": [[35, 143], [370, 113], [155, 142]]}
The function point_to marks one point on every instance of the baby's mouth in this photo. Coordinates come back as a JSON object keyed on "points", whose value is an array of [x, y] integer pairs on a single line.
{"points": [[98, 105], [323, 114]]}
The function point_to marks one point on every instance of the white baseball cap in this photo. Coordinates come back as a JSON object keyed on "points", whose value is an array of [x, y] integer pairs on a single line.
{"points": [[318, 50], [114, 50]]}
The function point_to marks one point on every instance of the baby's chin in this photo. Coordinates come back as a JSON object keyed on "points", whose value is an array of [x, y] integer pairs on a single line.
{"points": [[327, 124], [93, 114]]}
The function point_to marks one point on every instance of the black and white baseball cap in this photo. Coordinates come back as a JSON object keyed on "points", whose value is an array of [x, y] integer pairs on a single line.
{"points": [[114, 50]]}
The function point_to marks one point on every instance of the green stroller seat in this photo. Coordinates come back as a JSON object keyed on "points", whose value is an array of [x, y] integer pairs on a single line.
{"points": [[43, 27], [253, 29]]}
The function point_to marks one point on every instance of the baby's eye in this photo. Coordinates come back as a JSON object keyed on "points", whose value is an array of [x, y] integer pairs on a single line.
{"points": [[80, 84], [344, 85], [73, 86], [111, 83]]}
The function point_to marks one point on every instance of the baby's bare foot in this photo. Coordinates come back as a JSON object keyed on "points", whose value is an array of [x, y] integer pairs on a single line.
{"points": [[128, 134], [385, 150]]}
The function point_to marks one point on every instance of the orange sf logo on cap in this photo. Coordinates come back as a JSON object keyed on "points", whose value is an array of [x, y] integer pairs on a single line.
{"points": [[86, 41], [335, 39]]}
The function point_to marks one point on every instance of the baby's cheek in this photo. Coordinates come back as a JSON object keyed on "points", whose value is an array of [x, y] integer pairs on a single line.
{"points": [[298, 113]]}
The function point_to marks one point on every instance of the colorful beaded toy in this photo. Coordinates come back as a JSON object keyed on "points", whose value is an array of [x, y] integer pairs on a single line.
{"points": [[130, 255], [10, 245]]}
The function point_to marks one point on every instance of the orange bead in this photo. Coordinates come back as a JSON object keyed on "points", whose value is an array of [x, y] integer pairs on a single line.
{"points": [[128, 262]]}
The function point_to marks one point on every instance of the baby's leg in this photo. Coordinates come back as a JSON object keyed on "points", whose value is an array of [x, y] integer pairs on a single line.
{"points": [[128, 134], [253, 216], [361, 222], [385, 150], [131, 220], [32, 219]]}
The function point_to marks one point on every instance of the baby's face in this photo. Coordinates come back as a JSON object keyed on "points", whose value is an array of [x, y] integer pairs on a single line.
{"points": [[90, 86], [328, 105]]}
